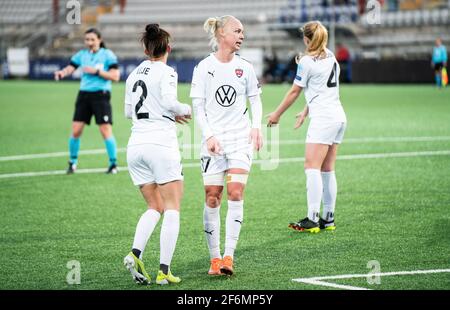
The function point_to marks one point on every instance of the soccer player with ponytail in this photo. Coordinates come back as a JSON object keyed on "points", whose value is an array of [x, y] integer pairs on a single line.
{"points": [[221, 84], [318, 75]]}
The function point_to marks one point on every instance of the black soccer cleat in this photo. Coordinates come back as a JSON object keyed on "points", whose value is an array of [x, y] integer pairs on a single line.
{"points": [[305, 225], [326, 225], [72, 168], [112, 169]]}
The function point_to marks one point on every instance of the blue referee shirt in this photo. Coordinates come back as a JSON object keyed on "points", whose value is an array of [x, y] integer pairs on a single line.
{"points": [[439, 54], [104, 59]]}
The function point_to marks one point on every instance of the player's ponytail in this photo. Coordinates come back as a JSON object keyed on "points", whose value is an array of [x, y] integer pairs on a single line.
{"points": [[318, 38], [98, 34], [155, 40], [212, 26]]}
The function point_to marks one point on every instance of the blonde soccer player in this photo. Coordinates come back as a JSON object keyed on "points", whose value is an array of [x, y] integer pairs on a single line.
{"points": [[221, 84], [153, 156], [318, 75]]}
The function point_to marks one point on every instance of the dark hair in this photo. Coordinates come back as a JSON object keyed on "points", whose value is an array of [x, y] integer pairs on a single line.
{"points": [[98, 34], [155, 40]]}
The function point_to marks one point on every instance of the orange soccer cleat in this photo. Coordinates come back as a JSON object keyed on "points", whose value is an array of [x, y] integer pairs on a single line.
{"points": [[227, 265], [216, 263]]}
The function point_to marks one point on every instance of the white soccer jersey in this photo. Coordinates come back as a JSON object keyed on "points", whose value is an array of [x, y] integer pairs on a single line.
{"points": [[225, 87], [320, 79], [145, 88]]}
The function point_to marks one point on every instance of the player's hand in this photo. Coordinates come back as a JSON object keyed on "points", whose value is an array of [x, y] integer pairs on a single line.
{"points": [[300, 119], [213, 146], [59, 75], [272, 119], [89, 70], [182, 119], [256, 138]]}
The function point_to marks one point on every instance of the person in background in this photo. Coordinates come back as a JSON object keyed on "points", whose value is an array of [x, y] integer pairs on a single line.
{"points": [[439, 61]]}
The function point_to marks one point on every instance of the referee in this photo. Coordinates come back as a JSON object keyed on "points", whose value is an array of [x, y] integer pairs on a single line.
{"points": [[100, 67]]}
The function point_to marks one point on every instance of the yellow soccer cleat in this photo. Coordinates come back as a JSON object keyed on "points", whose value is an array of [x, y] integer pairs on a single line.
{"points": [[136, 267], [327, 225], [163, 279], [305, 225]]}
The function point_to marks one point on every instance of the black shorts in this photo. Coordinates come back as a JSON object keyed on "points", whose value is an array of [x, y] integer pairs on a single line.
{"points": [[438, 66], [93, 103]]}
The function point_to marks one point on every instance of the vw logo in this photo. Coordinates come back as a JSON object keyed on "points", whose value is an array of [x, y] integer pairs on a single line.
{"points": [[225, 95]]}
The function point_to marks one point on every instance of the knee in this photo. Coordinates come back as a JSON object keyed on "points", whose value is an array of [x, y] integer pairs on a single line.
{"points": [[235, 194], [213, 199]]}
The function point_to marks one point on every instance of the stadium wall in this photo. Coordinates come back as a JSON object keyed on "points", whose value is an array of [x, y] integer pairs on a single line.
{"points": [[363, 71]]}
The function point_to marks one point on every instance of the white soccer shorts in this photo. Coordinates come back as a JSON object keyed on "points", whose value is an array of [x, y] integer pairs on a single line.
{"points": [[152, 163], [325, 132], [239, 159]]}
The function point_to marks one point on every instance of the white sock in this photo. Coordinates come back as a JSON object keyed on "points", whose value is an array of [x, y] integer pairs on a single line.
{"points": [[235, 215], [314, 190], [144, 229], [211, 224], [169, 235], [329, 195]]}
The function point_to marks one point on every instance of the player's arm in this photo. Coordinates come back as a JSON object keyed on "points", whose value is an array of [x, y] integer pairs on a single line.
{"points": [[173, 105], [200, 117], [255, 134], [113, 74], [66, 71], [290, 97]]}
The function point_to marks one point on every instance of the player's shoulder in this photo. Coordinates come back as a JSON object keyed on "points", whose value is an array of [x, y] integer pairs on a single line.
{"points": [[204, 62], [244, 61]]}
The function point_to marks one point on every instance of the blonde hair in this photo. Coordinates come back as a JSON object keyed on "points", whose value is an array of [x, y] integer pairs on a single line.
{"points": [[212, 25], [318, 37]]}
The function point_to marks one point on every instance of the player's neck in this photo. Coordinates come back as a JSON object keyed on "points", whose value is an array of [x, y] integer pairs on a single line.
{"points": [[162, 59], [224, 55]]}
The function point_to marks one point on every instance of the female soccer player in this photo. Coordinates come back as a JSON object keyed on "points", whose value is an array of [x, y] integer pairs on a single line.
{"points": [[318, 74], [153, 156], [100, 67], [221, 84], [439, 61]]}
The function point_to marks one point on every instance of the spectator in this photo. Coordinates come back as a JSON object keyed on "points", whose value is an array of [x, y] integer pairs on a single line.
{"points": [[344, 59]]}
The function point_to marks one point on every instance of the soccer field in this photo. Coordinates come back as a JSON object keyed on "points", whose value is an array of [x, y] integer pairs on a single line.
{"points": [[393, 204]]}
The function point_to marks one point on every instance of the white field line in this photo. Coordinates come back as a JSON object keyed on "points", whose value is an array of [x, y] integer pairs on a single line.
{"points": [[320, 280], [279, 161], [193, 146]]}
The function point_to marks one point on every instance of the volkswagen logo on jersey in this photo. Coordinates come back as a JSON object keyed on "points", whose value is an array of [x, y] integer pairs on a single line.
{"points": [[239, 72], [225, 95]]}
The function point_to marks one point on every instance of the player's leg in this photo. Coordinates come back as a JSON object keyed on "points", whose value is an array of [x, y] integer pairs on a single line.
{"points": [[213, 171], [438, 74], [171, 194], [329, 189], [81, 117], [103, 117], [142, 176], [315, 154], [236, 179]]}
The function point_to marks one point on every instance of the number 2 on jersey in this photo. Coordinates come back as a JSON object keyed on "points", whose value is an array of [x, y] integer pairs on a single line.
{"points": [[332, 80], [140, 103]]}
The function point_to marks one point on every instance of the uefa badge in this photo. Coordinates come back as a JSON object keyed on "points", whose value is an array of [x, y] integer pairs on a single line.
{"points": [[239, 72]]}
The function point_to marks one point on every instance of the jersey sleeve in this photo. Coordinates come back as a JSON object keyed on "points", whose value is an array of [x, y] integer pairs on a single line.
{"points": [[75, 61], [253, 86], [169, 83], [302, 75], [198, 89], [111, 61]]}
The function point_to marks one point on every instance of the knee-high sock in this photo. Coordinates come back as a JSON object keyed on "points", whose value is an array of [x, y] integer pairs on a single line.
{"points": [[211, 224], [329, 195], [111, 148], [144, 229], [74, 147], [438, 79], [235, 215], [314, 188], [169, 235]]}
